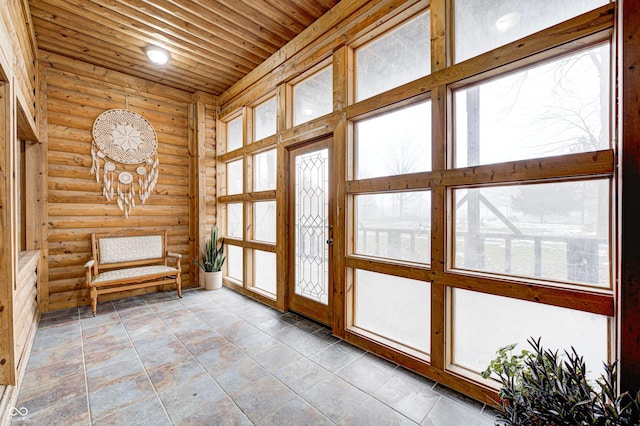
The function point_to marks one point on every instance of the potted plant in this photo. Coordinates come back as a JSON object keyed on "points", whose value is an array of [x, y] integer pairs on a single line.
{"points": [[211, 259], [542, 387]]}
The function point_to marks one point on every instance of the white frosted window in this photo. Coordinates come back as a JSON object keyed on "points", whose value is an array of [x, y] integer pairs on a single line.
{"points": [[551, 231], [313, 96], [234, 134], [234, 220], [265, 119], [264, 170], [234, 177], [482, 25], [395, 143], [395, 308], [394, 225], [398, 57], [264, 276], [234, 261], [558, 107], [484, 323], [264, 220]]}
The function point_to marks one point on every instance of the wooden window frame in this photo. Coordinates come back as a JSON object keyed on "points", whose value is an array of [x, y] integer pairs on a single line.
{"points": [[592, 27], [247, 197]]}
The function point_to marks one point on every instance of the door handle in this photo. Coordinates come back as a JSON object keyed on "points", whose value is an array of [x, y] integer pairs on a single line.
{"points": [[330, 241]]}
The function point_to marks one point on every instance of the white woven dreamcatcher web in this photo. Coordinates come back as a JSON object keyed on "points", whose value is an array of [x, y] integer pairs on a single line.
{"points": [[122, 136]]}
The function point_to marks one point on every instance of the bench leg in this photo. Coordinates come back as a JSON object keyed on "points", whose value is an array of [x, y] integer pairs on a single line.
{"points": [[179, 285], [94, 300]]}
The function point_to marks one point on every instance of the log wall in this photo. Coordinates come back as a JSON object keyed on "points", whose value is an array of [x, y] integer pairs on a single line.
{"points": [[18, 310], [25, 307], [77, 93]]}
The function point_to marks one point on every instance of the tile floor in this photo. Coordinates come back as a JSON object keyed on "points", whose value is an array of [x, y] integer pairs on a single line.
{"points": [[217, 357]]}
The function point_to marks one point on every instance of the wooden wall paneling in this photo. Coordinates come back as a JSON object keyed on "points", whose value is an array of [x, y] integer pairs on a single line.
{"points": [[211, 44], [110, 79], [26, 314], [629, 186], [76, 95]]}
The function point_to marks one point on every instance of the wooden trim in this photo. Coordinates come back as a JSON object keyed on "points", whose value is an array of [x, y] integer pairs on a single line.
{"points": [[282, 228], [258, 245], [253, 148], [340, 237], [250, 196], [194, 188], [315, 129], [250, 292], [629, 187], [439, 216], [316, 310], [316, 43], [388, 267], [572, 35], [476, 390], [566, 167], [342, 78], [8, 258], [253, 245], [596, 26], [600, 302]]}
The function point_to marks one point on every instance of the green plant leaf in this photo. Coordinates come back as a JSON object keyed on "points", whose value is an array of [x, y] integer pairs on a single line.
{"points": [[212, 255]]}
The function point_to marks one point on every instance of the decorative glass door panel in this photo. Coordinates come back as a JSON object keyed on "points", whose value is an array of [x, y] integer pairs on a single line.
{"points": [[310, 291], [312, 224]]}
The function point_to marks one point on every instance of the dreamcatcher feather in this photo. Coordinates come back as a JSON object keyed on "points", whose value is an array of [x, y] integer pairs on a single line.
{"points": [[122, 137]]}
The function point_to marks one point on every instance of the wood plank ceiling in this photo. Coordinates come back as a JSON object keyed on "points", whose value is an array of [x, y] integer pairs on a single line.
{"points": [[212, 43]]}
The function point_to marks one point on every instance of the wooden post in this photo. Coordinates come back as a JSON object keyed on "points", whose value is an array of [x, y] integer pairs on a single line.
{"points": [[629, 290], [438, 25], [8, 260]]}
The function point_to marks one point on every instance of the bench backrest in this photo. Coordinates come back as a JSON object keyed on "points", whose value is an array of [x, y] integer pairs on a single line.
{"points": [[117, 250]]}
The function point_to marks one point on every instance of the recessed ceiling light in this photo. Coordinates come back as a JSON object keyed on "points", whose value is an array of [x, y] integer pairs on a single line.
{"points": [[157, 55]]}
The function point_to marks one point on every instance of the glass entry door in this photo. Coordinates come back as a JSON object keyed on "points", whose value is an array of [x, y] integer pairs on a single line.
{"points": [[310, 288]]}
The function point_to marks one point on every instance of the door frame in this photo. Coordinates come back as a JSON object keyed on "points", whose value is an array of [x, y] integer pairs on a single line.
{"points": [[332, 128], [299, 304]]}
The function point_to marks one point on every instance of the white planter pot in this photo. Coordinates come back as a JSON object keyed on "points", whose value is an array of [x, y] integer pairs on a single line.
{"points": [[212, 280]]}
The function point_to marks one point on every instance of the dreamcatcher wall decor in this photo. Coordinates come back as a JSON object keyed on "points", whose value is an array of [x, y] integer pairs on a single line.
{"points": [[122, 138]]}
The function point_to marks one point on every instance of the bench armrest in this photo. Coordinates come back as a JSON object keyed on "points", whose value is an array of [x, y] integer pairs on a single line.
{"points": [[177, 257], [89, 267]]}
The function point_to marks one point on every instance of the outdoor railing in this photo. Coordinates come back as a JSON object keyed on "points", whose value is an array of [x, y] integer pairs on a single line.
{"points": [[575, 259]]}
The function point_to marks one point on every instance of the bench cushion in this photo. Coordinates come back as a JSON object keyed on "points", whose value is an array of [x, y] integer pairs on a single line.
{"points": [[130, 273], [129, 249]]}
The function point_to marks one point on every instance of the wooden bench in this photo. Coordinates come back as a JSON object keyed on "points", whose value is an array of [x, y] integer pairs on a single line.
{"points": [[130, 260]]}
